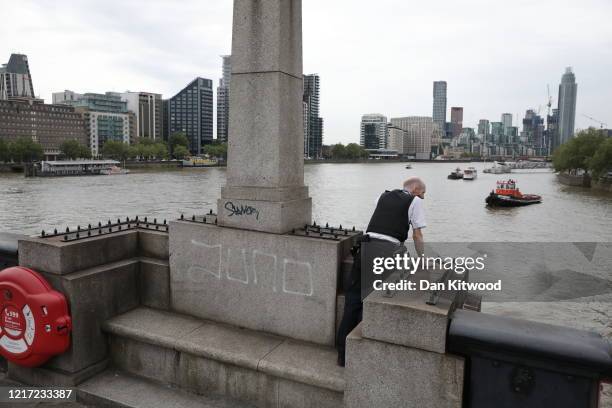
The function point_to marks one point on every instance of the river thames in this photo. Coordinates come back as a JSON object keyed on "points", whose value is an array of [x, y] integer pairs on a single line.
{"points": [[342, 194]]}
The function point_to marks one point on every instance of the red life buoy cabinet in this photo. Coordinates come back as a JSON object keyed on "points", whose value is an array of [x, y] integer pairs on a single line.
{"points": [[34, 320]]}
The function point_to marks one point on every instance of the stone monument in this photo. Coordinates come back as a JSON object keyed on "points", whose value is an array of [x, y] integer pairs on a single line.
{"points": [[265, 188]]}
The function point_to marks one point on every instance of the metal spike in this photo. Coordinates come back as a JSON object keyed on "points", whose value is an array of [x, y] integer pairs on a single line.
{"points": [[193, 218], [54, 231], [327, 225], [78, 227], [127, 219], [156, 227], [65, 237], [67, 229], [99, 224], [215, 221], [119, 227], [145, 219], [314, 223], [340, 227], [88, 226], [353, 228], [42, 233], [77, 235], [118, 221], [110, 229], [89, 233], [182, 216], [136, 218], [164, 221], [154, 220], [210, 211]]}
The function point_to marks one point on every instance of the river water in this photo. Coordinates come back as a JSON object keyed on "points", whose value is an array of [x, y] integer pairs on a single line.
{"points": [[342, 194]]}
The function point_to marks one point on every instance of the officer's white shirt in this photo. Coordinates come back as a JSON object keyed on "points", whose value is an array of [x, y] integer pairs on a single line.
{"points": [[416, 218]]}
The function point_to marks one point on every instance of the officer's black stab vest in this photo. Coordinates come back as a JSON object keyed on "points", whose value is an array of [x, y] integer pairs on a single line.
{"points": [[391, 215]]}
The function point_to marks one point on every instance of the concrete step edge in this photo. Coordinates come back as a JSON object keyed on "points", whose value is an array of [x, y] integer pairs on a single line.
{"points": [[302, 362], [118, 389]]}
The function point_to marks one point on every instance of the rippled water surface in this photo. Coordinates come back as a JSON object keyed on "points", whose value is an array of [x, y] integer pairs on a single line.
{"points": [[342, 194]]}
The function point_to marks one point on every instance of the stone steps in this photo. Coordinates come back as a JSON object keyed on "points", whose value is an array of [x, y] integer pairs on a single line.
{"points": [[210, 358], [112, 389]]}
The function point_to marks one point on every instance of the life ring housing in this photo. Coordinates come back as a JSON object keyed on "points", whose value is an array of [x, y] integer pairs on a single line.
{"points": [[34, 320]]}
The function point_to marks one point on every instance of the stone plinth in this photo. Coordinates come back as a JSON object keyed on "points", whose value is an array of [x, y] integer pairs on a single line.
{"points": [[406, 319], [281, 284], [380, 374], [265, 175]]}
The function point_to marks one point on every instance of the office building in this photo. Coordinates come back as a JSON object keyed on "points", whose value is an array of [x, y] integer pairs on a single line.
{"points": [[313, 129], [439, 103], [191, 111], [223, 91], [497, 133], [506, 119], [552, 129], [398, 140], [147, 108], [456, 121], [15, 79], [373, 131], [49, 125], [484, 130], [532, 135], [420, 131], [567, 105], [106, 117]]}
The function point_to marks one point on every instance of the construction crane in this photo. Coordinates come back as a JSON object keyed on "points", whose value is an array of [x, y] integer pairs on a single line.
{"points": [[601, 124]]}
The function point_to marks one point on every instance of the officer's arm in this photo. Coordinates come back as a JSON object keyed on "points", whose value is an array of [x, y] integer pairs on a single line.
{"points": [[419, 244]]}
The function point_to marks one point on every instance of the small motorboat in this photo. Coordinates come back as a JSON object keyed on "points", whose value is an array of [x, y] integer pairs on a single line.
{"points": [[113, 171], [470, 173], [508, 195], [455, 175], [408, 166]]}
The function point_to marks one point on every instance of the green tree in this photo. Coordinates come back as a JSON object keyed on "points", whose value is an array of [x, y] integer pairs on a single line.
{"points": [[4, 151], [178, 138], [71, 149], [84, 152], [160, 150], [601, 162], [25, 150], [216, 150], [180, 152], [338, 151], [577, 153], [116, 150], [355, 151]]}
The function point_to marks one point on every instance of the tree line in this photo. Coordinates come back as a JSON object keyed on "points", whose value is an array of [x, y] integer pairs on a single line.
{"points": [[350, 151], [27, 150], [589, 151]]}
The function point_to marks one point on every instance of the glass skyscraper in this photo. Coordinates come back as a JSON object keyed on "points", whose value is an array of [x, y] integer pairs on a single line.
{"points": [[439, 103], [567, 105], [223, 91], [313, 125], [191, 111]]}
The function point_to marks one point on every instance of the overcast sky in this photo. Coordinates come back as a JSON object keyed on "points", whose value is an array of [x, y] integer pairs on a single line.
{"points": [[373, 56]]}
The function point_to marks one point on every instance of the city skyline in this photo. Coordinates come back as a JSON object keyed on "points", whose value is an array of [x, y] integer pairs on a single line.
{"points": [[485, 86]]}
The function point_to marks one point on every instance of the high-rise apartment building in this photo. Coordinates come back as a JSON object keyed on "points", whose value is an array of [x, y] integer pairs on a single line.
{"points": [[223, 91], [420, 131], [439, 103], [552, 129], [15, 79], [533, 133], [106, 117], [313, 129], [191, 111], [567, 105], [484, 130], [147, 108], [374, 131], [456, 120], [506, 119]]}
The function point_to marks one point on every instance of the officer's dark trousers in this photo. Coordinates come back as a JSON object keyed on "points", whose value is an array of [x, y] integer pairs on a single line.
{"points": [[353, 295]]}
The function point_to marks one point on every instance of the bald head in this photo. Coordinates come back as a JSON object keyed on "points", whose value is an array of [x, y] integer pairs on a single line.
{"points": [[415, 186]]}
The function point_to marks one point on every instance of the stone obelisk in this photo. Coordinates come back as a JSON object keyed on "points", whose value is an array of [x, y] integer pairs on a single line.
{"points": [[265, 188]]}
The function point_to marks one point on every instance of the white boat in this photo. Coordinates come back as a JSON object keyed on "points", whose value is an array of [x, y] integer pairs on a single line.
{"points": [[498, 168], [470, 173], [115, 170]]}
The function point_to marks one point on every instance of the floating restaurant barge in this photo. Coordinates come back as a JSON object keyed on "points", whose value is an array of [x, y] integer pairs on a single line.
{"points": [[71, 168]]}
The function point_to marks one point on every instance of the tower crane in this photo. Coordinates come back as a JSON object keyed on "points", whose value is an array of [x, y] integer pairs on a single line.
{"points": [[601, 124], [549, 104]]}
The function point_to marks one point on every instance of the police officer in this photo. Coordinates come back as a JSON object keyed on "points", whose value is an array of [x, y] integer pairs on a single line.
{"points": [[396, 211]]}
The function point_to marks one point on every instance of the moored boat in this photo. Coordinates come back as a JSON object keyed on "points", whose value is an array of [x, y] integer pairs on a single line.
{"points": [[113, 171], [470, 173], [455, 175], [508, 195]]}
